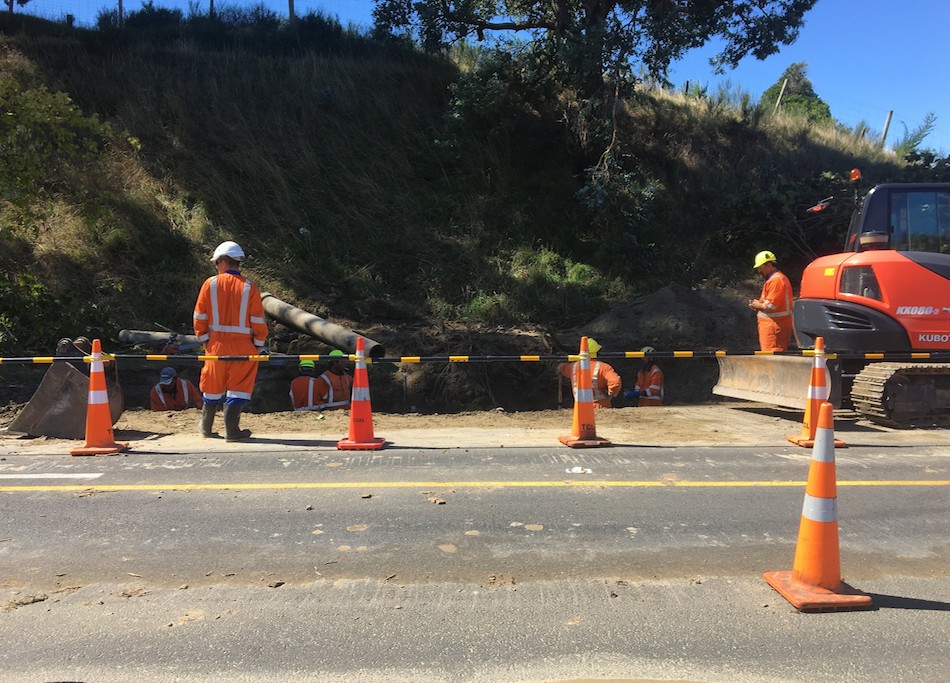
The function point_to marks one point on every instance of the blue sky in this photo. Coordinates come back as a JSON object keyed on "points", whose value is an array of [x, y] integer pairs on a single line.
{"points": [[865, 57]]}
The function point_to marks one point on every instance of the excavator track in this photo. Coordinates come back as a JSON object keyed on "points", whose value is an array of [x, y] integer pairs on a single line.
{"points": [[904, 394]]}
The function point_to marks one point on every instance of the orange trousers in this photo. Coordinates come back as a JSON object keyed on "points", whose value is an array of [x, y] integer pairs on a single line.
{"points": [[230, 379], [775, 333]]}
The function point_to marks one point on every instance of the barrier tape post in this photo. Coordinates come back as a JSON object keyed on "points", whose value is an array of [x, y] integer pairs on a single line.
{"points": [[817, 395], [361, 436], [100, 439], [583, 430], [814, 584]]}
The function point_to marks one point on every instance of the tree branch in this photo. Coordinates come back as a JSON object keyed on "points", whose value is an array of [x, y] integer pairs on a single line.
{"points": [[481, 25]]}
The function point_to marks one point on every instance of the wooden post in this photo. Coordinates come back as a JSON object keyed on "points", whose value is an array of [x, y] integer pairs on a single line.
{"points": [[780, 94], [290, 10], [887, 124]]}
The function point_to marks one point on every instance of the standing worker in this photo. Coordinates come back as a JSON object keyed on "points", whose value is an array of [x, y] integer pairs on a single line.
{"points": [[604, 380], [172, 392], [774, 306], [649, 388], [229, 319]]}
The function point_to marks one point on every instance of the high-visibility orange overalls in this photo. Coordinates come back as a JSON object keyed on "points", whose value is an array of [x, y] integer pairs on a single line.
{"points": [[604, 381], [775, 323], [650, 386], [229, 319], [185, 396]]}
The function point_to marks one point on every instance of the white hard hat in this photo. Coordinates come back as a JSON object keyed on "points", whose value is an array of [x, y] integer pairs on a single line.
{"points": [[230, 249]]}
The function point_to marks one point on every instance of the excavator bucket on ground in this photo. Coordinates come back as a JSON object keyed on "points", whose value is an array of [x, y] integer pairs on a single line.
{"points": [[58, 407], [776, 380]]}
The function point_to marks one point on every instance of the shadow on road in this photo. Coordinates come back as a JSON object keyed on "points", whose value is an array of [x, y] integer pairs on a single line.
{"points": [[899, 602]]}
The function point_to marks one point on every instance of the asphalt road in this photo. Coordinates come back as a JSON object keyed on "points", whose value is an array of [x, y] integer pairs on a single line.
{"points": [[464, 565]]}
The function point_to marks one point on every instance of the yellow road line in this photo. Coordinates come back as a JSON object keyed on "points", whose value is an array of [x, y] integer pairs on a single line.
{"points": [[567, 483]]}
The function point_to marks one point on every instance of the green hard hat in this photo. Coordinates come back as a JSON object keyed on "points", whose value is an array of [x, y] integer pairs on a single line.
{"points": [[307, 364], [337, 352]]}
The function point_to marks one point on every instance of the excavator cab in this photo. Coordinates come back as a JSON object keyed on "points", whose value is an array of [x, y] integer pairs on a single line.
{"points": [[887, 292]]}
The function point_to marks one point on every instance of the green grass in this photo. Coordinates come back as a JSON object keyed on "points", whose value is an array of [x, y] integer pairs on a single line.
{"points": [[345, 180]]}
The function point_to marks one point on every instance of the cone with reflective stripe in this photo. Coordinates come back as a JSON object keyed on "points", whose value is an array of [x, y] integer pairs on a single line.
{"points": [[99, 437], [583, 430], [361, 411], [817, 394], [815, 584]]}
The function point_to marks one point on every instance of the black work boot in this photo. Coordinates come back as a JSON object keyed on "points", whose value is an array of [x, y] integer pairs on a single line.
{"points": [[207, 421], [232, 424]]}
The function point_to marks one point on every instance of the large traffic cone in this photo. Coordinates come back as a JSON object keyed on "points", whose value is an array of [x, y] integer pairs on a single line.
{"points": [[583, 430], [99, 437], [815, 583], [817, 394], [361, 411]]}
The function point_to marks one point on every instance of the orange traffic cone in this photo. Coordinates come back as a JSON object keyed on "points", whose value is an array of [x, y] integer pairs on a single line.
{"points": [[817, 394], [583, 431], [815, 583], [99, 437], [361, 411]]}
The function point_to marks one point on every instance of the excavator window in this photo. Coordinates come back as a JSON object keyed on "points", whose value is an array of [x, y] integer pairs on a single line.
{"points": [[920, 221]]}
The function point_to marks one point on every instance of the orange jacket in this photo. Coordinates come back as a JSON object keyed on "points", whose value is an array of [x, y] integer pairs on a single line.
{"points": [[650, 386], [185, 396], [229, 316], [604, 381], [776, 296], [775, 324], [326, 392]]}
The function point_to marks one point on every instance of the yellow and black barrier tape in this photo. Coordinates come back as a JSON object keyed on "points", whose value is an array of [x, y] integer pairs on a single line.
{"points": [[283, 359]]}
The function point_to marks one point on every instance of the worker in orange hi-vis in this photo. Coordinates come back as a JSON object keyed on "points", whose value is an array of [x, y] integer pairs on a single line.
{"points": [[649, 387], [604, 380], [335, 386], [774, 306], [173, 392], [229, 319], [303, 388]]}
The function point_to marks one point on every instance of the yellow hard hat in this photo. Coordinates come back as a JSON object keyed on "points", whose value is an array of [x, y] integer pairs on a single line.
{"points": [[762, 258], [593, 347]]}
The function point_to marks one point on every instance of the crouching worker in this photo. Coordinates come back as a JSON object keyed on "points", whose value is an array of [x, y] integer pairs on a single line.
{"points": [[229, 320], [604, 380], [329, 391], [303, 394], [649, 387], [173, 392]]}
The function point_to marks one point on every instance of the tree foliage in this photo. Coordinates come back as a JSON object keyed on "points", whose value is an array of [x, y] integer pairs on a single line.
{"points": [[910, 142], [799, 96], [9, 4], [590, 38], [41, 132]]}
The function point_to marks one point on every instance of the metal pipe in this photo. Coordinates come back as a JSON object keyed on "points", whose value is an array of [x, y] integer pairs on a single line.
{"points": [[330, 333]]}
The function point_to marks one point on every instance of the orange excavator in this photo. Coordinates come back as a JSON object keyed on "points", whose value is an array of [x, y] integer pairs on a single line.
{"points": [[887, 293]]}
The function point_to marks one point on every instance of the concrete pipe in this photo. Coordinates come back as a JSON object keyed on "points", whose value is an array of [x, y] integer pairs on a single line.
{"points": [[330, 333], [156, 338]]}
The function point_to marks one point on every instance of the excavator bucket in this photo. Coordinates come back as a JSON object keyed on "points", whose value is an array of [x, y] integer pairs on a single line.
{"points": [[58, 407], [776, 380]]}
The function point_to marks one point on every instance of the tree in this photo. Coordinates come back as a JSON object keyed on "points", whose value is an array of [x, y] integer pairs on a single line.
{"points": [[10, 3], [799, 96], [912, 139], [591, 39]]}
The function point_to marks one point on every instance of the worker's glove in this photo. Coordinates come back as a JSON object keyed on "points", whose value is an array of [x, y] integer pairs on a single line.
{"points": [[631, 393]]}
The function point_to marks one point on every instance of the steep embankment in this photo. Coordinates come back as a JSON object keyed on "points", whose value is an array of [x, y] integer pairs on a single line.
{"points": [[367, 188]]}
